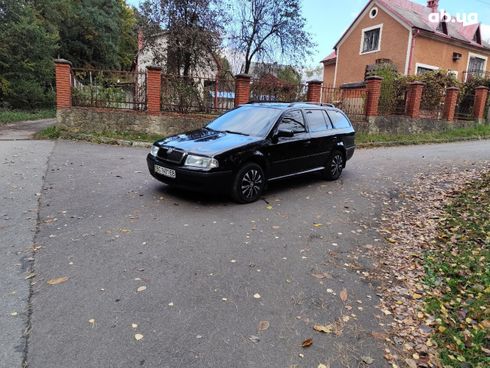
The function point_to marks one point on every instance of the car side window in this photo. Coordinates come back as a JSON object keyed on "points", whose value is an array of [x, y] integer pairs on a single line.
{"points": [[327, 119], [316, 121], [338, 119], [293, 120]]}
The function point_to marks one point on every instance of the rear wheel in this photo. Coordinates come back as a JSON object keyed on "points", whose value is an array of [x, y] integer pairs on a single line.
{"points": [[335, 165], [249, 183]]}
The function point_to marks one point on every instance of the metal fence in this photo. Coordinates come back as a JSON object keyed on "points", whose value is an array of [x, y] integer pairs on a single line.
{"points": [[106, 88], [276, 91], [197, 94], [432, 103], [351, 100], [464, 109], [393, 100]]}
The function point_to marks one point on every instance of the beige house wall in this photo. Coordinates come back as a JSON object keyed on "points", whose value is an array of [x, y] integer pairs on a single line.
{"points": [[328, 74], [431, 52], [394, 46]]}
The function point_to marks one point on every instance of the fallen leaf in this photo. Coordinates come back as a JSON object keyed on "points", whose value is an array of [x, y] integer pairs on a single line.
{"points": [[134, 325], [343, 295], [13, 314], [367, 359], [58, 280], [138, 337], [323, 366], [141, 288], [321, 275], [324, 328], [263, 325], [307, 343], [92, 322], [379, 335], [257, 296]]}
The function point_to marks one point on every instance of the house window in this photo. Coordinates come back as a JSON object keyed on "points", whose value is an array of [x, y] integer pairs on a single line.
{"points": [[476, 65], [424, 68], [371, 39], [373, 13]]}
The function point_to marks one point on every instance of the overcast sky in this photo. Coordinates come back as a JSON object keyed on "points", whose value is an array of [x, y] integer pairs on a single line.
{"points": [[328, 19]]}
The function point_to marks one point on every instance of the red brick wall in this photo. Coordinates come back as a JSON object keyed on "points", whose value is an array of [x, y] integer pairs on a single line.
{"points": [[481, 95], [414, 97], [242, 89], [63, 84], [153, 87], [373, 95], [314, 91], [450, 103]]}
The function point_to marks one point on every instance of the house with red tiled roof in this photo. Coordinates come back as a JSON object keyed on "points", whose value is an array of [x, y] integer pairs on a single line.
{"points": [[412, 37]]}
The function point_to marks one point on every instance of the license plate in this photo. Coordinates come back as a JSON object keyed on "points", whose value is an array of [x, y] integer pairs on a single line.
{"points": [[165, 171]]}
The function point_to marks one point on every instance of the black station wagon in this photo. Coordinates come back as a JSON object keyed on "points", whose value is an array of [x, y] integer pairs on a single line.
{"points": [[243, 149]]}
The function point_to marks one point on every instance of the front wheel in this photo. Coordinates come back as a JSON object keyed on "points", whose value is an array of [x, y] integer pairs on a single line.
{"points": [[335, 165], [249, 184]]}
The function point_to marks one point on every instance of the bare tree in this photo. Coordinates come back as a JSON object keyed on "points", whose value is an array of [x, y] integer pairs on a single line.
{"points": [[190, 30], [265, 30]]}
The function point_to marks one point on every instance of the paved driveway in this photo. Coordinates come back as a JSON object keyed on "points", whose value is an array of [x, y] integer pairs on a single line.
{"points": [[209, 271]]}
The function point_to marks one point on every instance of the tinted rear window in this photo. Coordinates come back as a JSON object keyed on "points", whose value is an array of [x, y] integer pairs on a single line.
{"points": [[316, 120], [339, 120]]}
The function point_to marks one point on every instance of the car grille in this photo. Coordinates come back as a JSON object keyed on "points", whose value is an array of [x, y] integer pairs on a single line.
{"points": [[170, 154]]}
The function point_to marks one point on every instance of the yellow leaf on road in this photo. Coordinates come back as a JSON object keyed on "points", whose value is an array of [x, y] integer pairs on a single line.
{"points": [[324, 328], [343, 295], [138, 337], [58, 280], [263, 325]]}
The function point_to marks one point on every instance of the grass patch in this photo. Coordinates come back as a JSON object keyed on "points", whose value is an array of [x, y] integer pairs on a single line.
{"points": [[51, 132], [12, 116], [54, 132], [458, 275], [476, 132]]}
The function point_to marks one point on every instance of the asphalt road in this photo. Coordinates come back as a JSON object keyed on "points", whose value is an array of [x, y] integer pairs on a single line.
{"points": [[211, 270]]}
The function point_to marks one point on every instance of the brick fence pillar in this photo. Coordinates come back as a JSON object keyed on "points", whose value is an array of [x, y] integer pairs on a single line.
{"points": [[314, 92], [153, 89], [373, 87], [450, 103], [481, 95], [414, 98], [63, 84], [242, 89]]}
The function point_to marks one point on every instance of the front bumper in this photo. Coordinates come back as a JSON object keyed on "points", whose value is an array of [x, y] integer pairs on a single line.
{"points": [[204, 181]]}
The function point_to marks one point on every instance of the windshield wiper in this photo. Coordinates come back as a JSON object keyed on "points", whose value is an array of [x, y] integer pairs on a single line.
{"points": [[232, 132]]}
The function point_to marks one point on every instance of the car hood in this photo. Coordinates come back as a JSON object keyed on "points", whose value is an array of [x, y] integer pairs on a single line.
{"points": [[207, 142]]}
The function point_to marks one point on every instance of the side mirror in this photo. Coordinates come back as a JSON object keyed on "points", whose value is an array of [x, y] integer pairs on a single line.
{"points": [[284, 133]]}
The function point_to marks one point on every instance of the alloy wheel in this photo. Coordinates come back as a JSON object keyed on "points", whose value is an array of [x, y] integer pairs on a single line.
{"points": [[251, 185], [336, 166]]}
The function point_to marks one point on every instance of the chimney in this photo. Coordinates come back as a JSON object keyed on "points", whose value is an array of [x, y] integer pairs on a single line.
{"points": [[140, 39], [433, 5]]}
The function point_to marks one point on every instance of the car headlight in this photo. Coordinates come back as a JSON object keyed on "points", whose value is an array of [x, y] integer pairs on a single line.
{"points": [[154, 150], [201, 162]]}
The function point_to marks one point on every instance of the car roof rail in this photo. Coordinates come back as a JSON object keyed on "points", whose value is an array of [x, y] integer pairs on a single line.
{"points": [[312, 103]]}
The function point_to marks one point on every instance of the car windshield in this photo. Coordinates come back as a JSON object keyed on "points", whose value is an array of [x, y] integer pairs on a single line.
{"points": [[248, 120]]}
